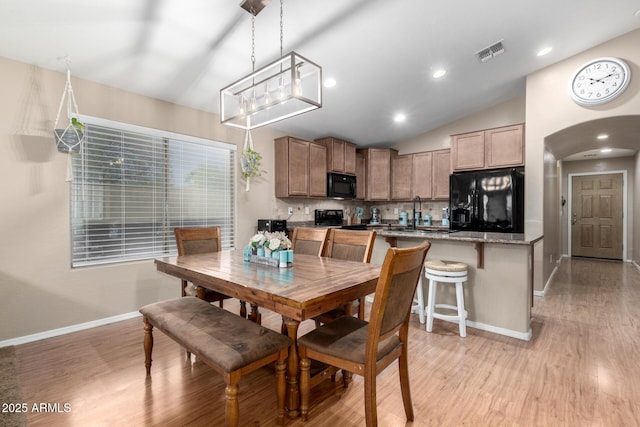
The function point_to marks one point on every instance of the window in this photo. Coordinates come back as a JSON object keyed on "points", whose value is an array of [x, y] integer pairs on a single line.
{"points": [[132, 186]]}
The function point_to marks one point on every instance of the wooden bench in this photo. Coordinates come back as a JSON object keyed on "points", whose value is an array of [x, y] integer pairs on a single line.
{"points": [[229, 344]]}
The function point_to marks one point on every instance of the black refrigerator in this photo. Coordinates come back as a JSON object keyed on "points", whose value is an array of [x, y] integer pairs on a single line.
{"points": [[489, 200]]}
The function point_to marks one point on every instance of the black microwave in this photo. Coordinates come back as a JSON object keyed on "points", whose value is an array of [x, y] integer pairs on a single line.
{"points": [[341, 186]]}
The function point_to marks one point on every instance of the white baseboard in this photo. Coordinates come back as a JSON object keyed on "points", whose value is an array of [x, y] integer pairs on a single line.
{"points": [[546, 285], [636, 264], [525, 336], [68, 329]]}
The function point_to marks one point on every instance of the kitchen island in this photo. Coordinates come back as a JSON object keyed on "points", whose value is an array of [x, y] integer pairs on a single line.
{"points": [[499, 293]]}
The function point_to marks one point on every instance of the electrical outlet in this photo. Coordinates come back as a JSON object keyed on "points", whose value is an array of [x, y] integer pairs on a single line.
{"points": [[306, 210], [290, 210], [395, 211]]}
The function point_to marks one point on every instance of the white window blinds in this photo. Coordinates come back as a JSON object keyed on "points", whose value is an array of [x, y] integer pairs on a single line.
{"points": [[132, 186]]}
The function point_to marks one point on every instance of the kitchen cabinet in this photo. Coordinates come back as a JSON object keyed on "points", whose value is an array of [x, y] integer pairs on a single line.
{"points": [[441, 170], [486, 149], [401, 173], [424, 174], [300, 168], [378, 173], [361, 178], [504, 147], [341, 155]]}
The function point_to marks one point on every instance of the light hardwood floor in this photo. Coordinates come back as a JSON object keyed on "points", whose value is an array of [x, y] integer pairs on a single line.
{"points": [[582, 368]]}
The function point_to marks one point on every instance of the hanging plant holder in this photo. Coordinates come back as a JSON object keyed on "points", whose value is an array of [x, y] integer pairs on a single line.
{"points": [[69, 139]]}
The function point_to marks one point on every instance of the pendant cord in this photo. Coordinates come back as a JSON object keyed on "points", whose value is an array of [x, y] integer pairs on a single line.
{"points": [[253, 43], [281, 28]]}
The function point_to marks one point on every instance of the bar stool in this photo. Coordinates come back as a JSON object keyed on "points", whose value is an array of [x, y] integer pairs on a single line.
{"points": [[446, 272], [418, 302]]}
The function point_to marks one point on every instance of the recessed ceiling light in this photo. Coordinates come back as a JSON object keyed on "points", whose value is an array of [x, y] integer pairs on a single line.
{"points": [[544, 51], [602, 136], [400, 118], [329, 82], [605, 150], [439, 73]]}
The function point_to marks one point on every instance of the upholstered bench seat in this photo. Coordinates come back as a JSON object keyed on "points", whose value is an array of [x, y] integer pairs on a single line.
{"points": [[229, 344]]}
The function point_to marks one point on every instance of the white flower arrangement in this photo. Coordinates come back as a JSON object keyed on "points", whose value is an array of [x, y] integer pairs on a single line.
{"points": [[273, 241]]}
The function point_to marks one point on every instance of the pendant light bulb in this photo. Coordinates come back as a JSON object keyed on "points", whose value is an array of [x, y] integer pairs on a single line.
{"points": [[242, 105], [267, 95], [297, 88], [252, 101], [281, 87]]}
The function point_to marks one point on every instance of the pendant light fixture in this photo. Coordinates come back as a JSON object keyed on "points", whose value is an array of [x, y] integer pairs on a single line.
{"points": [[287, 87]]}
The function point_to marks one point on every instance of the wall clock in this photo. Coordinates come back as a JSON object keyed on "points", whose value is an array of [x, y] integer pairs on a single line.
{"points": [[599, 81]]}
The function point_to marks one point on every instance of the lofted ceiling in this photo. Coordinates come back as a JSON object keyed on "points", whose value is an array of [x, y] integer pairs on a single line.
{"points": [[381, 53]]}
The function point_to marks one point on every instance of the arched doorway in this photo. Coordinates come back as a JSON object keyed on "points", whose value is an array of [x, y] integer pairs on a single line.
{"points": [[576, 152]]}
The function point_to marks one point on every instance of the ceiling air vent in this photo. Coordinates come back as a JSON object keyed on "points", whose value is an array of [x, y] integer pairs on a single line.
{"points": [[489, 52]]}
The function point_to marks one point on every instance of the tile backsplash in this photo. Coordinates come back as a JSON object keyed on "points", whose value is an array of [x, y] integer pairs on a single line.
{"points": [[303, 208]]}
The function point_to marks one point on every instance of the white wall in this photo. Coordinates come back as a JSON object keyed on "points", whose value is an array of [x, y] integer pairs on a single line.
{"points": [[38, 289], [636, 220], [549, 109], [504, 114]]}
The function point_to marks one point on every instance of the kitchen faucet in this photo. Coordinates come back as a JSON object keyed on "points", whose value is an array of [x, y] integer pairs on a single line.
{"points": [[416, 199]]}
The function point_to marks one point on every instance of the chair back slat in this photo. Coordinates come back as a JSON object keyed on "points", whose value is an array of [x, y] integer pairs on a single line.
{"points": [[309, 241], [191, 241], [350, 245], [394, 292]]}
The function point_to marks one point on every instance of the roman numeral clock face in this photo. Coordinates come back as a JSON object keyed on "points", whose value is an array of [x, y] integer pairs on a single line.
{"points": [[599, 81]]}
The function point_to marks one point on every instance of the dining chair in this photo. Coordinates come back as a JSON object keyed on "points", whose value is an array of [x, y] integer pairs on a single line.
{"points": [[367, 348], [349, 245], [309, 241], [201, 240]]}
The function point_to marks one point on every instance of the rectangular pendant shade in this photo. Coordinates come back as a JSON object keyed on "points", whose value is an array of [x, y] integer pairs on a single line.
{"points": [[287, 87]]}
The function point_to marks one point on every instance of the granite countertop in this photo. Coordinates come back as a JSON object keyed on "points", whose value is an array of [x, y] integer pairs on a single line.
{"points": [[436, 231], [462, 236]]}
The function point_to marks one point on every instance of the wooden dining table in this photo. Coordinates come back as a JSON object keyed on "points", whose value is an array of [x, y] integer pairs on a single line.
{"points": [[312, 285]]}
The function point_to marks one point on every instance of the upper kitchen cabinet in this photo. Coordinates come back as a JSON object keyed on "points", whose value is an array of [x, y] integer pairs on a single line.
{"points": [[491, 148], [424, 174], [504, 146], [441, 170], [361, 177], [411, 176], [300, 168], [401, 173], [341, 155], [378, 173]]}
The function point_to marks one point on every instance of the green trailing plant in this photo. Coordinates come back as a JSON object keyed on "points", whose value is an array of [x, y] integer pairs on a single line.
{"points": [[251, 162], [77, 124]]}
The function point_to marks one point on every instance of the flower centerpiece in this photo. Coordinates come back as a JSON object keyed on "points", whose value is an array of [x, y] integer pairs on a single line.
{"points": [[267, 244], [270, 241]]}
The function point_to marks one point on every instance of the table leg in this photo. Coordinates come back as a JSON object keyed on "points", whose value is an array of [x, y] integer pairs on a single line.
{"points": [[255, 315], [293, 390]]}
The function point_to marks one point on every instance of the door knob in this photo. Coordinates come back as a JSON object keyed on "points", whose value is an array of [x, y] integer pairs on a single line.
{"points": [[574, 219]]}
